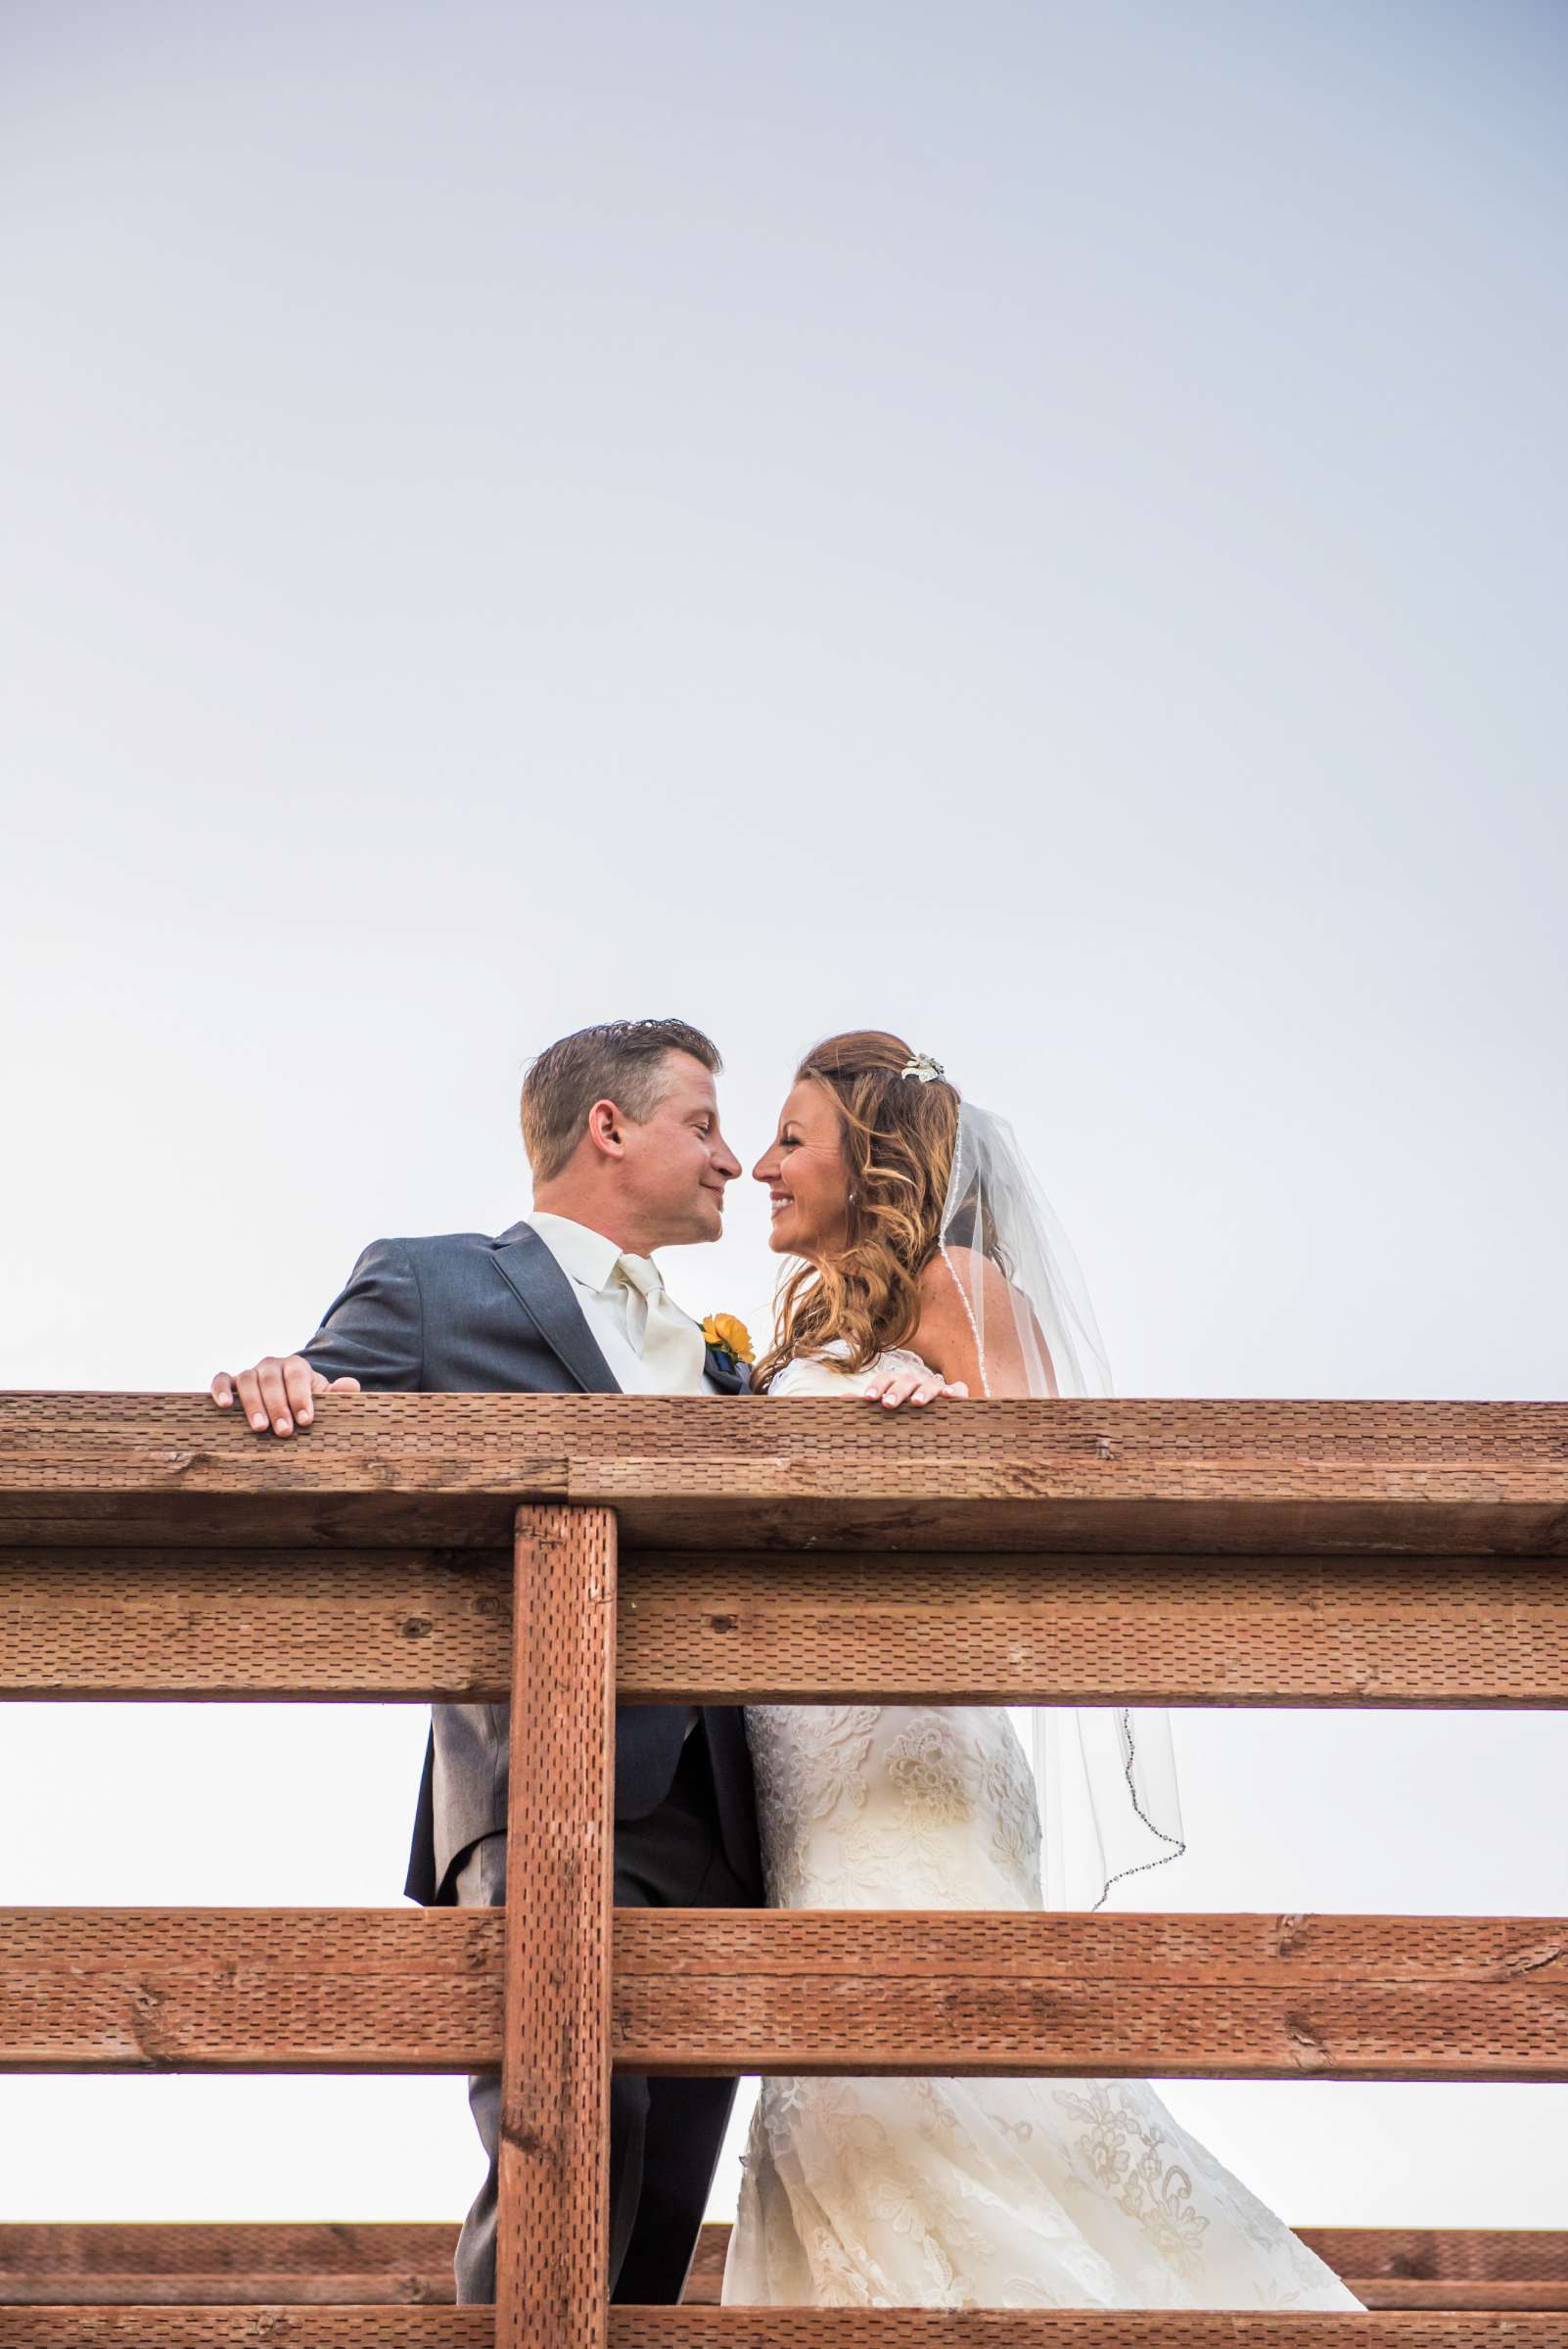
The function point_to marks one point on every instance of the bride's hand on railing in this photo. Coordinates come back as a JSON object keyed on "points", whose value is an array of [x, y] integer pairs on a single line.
{"points": [[890, 1388], [277, 1392]]}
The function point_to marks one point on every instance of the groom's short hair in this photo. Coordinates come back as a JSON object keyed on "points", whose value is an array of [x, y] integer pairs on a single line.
{"points": [[621, 1062]]}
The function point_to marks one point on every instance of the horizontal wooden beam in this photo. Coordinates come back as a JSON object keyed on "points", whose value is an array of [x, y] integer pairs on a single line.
{"points": [[222, 2288], [794, 1626], [248, 2327], [1437, 2256], [689, 2328], [275, 2260], [411, 2263], [722, 1991], [1395, 2292], [1126, 1996], [413, 1470], [243, 1990], [800, 1628], [99, 1621], [1385, 2267]]}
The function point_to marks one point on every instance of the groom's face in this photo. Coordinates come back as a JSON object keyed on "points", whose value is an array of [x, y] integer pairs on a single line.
{"points": [[679, 1165]]}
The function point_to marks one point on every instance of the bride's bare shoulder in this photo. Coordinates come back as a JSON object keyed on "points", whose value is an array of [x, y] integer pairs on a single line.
{"points": [[956, 1272], [957, 1287]]}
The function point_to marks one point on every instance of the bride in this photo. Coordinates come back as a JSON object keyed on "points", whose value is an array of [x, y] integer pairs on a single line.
{"points": [[929, 1267]]}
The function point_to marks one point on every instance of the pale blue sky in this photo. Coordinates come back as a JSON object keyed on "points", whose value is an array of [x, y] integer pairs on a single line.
{"points": [[1042, 527]]}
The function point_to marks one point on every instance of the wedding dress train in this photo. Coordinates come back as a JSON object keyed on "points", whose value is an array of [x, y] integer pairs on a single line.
{"points": [[963, 2192]]}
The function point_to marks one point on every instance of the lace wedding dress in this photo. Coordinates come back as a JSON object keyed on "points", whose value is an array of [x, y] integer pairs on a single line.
{"points": [[952, 2192]]}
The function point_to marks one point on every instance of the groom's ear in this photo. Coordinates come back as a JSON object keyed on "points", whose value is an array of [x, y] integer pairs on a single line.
{"points": [[605, 1130]]}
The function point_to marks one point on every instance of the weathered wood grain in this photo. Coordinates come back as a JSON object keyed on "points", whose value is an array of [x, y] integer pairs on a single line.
{"points": [[1125, 1995], [224, 2265], [251, 2326], [412, 2263], [224, 2288], [102, 1621], [804, 1628], [148, 2260], [1390, 2292], [1386, 2267], [796, 1627], [689, 2328], [552, 2240], [1435, 2255], [410, 1470], [802, 1991], [295, 2328], [237, 1990]]}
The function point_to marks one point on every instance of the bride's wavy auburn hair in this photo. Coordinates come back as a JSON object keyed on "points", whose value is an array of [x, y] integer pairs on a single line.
{"points": [[898, 1135]]}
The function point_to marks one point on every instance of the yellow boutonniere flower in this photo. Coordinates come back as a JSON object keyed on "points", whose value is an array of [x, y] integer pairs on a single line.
{"points": [[729, 1336]]}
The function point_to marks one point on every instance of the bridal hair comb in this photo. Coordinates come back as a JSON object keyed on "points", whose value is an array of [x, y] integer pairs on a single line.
{"points": [[923, 1067]]}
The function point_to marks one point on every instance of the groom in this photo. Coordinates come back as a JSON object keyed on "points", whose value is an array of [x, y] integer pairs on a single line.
{"points": [[621, 1126]]}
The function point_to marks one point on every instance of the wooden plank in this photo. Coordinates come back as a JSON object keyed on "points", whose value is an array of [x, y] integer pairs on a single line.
{"points": [[400, 1470], [411, 2262], [237, 1990], [1407, 2267], [1223, 1996], [1194, 1996], [265, 2287], [274, 2260], [100, 1622], [800, 1628], [287, 2326], [1378, 2292], [406, 1470], [294, 2327], [1437, 2255], [705, 2277], [761, 1627], [689, 2328], [552, 2240], [79, 2249]]}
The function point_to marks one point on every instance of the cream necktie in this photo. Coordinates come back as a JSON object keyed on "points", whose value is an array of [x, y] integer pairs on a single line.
{"points": [[669, 1345]]}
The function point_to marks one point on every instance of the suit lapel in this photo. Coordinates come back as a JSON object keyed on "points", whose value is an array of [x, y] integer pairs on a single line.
{"points": [[544, 1293], [730, 1377]]}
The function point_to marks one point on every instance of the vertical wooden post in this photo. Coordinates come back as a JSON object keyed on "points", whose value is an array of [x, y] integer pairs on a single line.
{"points": [[552, 2234]]}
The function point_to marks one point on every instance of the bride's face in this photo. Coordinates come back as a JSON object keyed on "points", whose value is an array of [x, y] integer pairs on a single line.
{"points": [[808, 1181]]}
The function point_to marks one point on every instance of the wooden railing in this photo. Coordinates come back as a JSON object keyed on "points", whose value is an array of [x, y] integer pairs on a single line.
{"points": [[562, 1549]]}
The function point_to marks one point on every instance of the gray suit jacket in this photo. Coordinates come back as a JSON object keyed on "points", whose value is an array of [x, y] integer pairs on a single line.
{"points": [[467, 1314]]}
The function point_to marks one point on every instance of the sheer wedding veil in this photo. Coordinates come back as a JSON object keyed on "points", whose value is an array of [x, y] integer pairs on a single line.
{"points": [[1105, 1774]]}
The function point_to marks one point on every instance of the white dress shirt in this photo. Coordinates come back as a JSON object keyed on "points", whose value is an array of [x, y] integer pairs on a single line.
{"points": [[590, 1259], [610, 1307]]}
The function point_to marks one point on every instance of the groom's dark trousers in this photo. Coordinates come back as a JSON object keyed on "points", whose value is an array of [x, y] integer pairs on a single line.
{"points": [[464, 1313]]}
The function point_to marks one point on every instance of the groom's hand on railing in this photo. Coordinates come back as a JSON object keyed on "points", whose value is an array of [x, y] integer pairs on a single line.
{"points": [[277, 1392]]}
